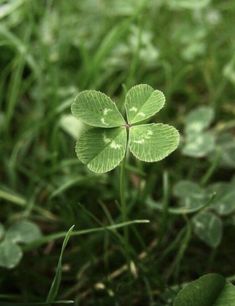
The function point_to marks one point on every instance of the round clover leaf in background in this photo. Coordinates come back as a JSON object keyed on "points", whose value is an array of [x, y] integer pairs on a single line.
{"points": [[10, 254]]}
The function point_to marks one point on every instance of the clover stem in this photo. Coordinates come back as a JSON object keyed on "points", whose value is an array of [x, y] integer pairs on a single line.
{"points": [[123, 190], [122, 186]]}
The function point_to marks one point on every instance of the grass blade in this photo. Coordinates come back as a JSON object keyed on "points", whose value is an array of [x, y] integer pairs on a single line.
{"points": [[57, 279]]}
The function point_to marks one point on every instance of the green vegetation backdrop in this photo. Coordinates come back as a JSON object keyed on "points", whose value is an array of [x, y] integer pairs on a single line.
{"points": [[52, 50]]}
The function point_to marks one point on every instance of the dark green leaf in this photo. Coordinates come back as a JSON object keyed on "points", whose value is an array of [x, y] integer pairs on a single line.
{"points": [[208, 290]]}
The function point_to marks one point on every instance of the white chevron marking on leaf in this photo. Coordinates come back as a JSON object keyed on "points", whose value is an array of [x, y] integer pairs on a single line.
{"points": [[92, 106], [142, 102], [153, 142], [102, 149]]}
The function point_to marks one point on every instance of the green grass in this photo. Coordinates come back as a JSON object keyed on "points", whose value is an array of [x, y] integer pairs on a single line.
{"points": [[50, 51]]}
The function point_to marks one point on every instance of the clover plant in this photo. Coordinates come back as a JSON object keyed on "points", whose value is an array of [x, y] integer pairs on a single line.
{"points": [[207, 223], [22, 232], [105, 143], [199, 142]]}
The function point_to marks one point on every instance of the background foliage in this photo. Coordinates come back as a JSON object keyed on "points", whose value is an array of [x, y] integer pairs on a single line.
{"points": [[50, 51]]}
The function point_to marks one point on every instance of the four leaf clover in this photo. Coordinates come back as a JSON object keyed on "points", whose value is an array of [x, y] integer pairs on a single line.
{"points": [[104, 144]]}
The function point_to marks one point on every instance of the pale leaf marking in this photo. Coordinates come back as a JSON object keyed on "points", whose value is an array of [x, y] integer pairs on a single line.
{"points": [[106, 111], [133, 109], [115, 145]]}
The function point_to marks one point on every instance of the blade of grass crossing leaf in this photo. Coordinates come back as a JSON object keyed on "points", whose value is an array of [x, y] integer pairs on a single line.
{"points": [[57, 279], [46, 239]]}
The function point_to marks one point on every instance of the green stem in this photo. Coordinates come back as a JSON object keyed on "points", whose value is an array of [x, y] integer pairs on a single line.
{"points": [[211, 169], [164, 220], [123, 195]]}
